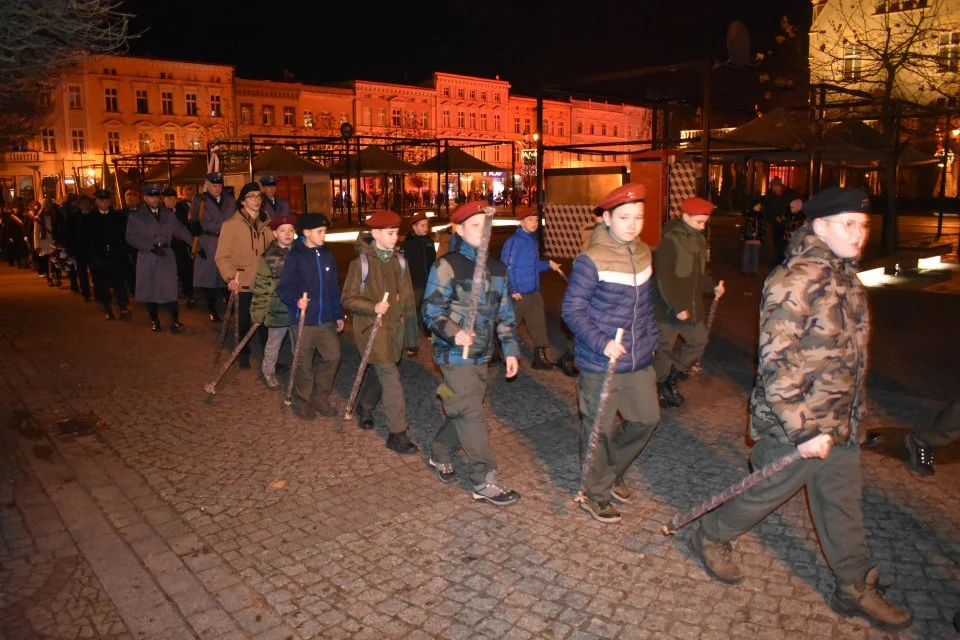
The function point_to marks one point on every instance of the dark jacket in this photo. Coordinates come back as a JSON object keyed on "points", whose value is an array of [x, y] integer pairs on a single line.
{"points": [[420, 255], [752, 226], [446, 305], [102, 238], [266, 307], [776, 208], [611, 287], [680, 269], [521, 255], [313, 271], [399, 328]]}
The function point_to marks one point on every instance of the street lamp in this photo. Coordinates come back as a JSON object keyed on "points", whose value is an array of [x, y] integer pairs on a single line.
{"points": [[346, 132]]}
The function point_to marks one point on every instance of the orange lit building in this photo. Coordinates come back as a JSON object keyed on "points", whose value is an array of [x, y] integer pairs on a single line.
{"points": [[122, 105]]}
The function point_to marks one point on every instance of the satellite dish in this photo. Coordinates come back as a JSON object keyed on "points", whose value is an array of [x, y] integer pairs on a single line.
{"points": [[738, 44]]}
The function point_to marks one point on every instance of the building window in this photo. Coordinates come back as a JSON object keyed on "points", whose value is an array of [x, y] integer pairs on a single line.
{"points": [[113, 142], [169, 141], [78, 141], [616, 131], [560, 128], [526, 125], [851, 63], [483, 121], [110, 99], [143, 106], [382, 116], [460, 120], [344, 117], [166, 103], [516, 124], [192, 108], [215, 108], [446, 92], [496, 122], [949, 50], [143, 141], [483, 153], [546, 127], [460, 93], [367, 116], [496, 96], [267, 115], [194, 143], [425, 120], [579, 127], [483, 96], [246, 114], [603, 129], [73, 97], [893, 6], [446, 117], [629, 131], [48, 142], [473, 120], [593, 129], [308, 119], [45, 101], [496, 153], [289, 117], [473, 94], [395, 118]]}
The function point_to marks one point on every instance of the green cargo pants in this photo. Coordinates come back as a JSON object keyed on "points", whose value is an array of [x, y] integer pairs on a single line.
{"points": [[464, 425], [383, 381]]}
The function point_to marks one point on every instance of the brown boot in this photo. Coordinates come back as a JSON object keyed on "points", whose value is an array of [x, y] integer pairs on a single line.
{"points": [[715, 557], [866, 600]]}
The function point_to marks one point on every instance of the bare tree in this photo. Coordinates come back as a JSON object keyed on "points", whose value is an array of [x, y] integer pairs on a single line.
{"points": [[902, 53], [39, 41]]}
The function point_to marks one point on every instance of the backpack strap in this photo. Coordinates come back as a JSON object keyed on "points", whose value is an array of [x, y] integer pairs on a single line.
{"points": [[365, 268]]}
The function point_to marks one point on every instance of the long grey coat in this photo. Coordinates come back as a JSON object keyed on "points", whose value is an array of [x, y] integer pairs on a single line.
{"points": [[156, 274], [282, 207], [205, 272]]}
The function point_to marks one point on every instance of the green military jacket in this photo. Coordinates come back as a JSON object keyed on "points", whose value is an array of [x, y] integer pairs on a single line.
{"points": [[399, 327], [679, 265]]}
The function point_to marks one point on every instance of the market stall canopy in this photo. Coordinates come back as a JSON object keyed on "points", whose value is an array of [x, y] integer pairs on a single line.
{"points": [[456, 160], [158, 173], [193, 171], [280, 161], [373, 161], [854, 143]]}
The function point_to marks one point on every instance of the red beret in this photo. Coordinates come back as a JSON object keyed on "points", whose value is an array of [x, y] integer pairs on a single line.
{"points": [[697, 207], [383, 219], [281, 220], [417, 217], [468, 210], [631, 192], [523, 212]]}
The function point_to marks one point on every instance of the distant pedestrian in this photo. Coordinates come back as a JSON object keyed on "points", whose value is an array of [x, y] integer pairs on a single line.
{"points": [[752, 232], [776, 209], [417, 247]]}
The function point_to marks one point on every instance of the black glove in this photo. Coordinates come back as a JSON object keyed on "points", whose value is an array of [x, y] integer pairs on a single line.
{"points": [[201, 253], [195, 227]]}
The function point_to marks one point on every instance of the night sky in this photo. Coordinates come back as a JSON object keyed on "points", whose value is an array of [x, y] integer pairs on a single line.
{"points": [[526, 42]]}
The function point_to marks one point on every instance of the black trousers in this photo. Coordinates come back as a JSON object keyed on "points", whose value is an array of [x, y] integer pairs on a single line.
{"points": [[107, 276], [172, 307], [80, 279]]}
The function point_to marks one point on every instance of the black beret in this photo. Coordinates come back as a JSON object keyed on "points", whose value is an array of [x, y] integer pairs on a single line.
{"points": [[169, 191], [101, 194], [314, 221], [835, 200]]}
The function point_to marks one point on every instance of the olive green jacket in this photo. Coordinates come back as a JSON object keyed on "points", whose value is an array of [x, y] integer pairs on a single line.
{"points": [[679, 265]]}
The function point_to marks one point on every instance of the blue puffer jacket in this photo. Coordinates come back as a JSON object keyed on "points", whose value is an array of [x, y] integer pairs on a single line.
{"points": [[446, 305], [610, 288], [521, 255], [314, 271]]}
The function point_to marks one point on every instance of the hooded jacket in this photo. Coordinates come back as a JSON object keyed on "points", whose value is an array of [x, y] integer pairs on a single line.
{"points": [[814, 332], [611, 287], [266, 307]]}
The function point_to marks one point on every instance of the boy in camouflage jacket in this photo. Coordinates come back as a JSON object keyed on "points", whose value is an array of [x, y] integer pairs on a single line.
{"points": [[810, 397], [266, 308]]}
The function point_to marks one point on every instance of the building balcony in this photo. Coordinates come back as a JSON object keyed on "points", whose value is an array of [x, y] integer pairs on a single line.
{"points": [[20, 156]]}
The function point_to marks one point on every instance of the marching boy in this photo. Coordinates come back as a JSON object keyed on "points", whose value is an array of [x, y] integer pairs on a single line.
{"points": [[266, 307], [611, 288], [377, 270], [446, 306]]}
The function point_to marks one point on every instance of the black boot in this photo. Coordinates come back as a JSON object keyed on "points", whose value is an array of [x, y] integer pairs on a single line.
{"points": [[401, 443], [667, 394], [540, 361], [673, 390], [567, 365], [364, 418]]}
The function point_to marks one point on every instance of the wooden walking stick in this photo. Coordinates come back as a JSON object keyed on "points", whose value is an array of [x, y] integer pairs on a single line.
{"points": [[483, 251], [595, 431], [695, 368], [683, 519], [288, 399], [212, 387], [231, 303], [348, 415]]}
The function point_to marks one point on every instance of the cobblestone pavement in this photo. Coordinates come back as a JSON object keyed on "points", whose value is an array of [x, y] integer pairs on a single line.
{"points": [[135, 506]]}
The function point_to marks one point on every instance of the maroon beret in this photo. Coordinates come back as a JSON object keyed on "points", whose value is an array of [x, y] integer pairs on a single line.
{"points": [[468, 210], [631, 192], [383, 219], [697, 207]]}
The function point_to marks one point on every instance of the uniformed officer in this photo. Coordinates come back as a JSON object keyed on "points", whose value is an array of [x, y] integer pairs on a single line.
{"points": [[208, 212], [102, 234], [274, 205], [150, 230], [181, 246]]}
